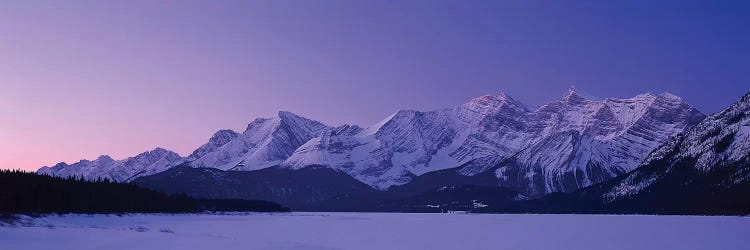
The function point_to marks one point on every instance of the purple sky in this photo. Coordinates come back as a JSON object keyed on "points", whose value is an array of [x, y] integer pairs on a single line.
{"points": [[80, 79]]}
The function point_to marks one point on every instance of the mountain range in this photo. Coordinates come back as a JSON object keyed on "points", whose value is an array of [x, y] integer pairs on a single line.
{"points": [[566, 146], [146, 163], [704, 170]]}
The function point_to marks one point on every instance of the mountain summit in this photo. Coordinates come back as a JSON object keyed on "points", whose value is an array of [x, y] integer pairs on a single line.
{"points": [[266, 142]]}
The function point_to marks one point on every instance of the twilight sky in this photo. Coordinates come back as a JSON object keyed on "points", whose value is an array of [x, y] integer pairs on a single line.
{"points": [[83, 78]]}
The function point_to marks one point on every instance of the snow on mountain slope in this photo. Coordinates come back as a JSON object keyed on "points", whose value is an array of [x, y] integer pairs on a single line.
{"points": [[582, 142], [562, 146], [409, 143], [722, 137], [719, 144], [498, 134], [219, 138], [266, 142], [146, 163], [334, 147]]}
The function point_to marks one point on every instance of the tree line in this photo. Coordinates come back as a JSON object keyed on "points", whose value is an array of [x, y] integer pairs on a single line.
{"points": [[28, 192]]}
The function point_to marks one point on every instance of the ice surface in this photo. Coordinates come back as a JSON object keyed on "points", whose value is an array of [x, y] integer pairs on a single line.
{"points": [[319, 231]]}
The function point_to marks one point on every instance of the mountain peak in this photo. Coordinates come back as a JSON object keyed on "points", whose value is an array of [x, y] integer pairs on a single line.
{"points": [[671, 96], [646, 95], [502, 95], [741, 105], [572, 97], [282, 117], [402, 115], [376, 127], [104, 158], [286, 114], [487, 104], [287, 117], [486, 100], [571, 89], [746, 97], [158, 151], [294, 120], [223, 134], [219, 138], [60, 165], [507, 99]]}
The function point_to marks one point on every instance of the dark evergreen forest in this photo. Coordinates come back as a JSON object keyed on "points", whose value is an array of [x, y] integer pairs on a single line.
{"points": [[26, 192]]}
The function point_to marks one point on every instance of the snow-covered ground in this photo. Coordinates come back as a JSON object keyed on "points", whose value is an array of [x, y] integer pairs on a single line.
{"points": [[377, 231]]}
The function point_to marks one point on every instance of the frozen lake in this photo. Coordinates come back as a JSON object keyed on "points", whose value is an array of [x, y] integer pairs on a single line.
{"points": [[320, 231]]}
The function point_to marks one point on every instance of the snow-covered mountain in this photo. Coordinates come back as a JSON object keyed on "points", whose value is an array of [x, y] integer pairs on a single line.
{"points": [[561, 146], [705, 170], [410, 143], [219, 138], [266, 142], [716, 153], [577, 142], [146, 163]]}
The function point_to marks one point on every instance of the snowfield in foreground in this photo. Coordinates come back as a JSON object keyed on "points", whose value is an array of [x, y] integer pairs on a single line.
{"points": [[320, 231]]}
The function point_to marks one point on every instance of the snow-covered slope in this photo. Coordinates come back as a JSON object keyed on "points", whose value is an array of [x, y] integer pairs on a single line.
{"points": [[410, 143], [714, 153], [219, 138], [577, 142], [146, 163], [266, 142], [562, 146]]}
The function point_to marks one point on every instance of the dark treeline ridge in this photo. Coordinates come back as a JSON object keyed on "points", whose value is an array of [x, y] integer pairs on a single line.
{"points": [[229, 205], [27, 192]]}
